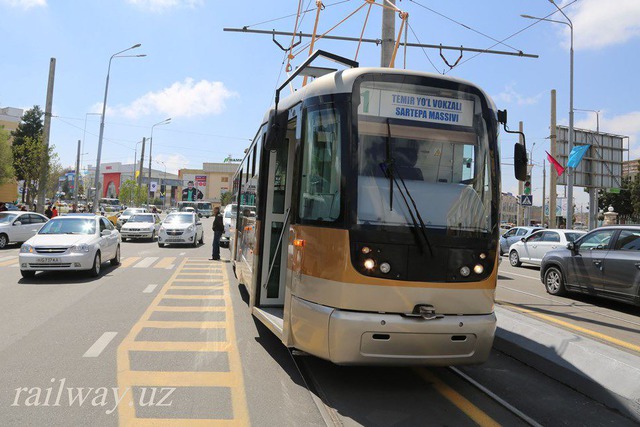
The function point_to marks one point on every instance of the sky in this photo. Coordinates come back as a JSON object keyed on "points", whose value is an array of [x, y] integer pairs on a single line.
{"points": [[216, 85]]}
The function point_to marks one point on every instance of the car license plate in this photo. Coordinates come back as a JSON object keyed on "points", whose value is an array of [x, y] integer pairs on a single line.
{"points": [[48, 260]]}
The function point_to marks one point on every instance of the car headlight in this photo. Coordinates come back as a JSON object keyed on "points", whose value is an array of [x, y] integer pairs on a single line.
{"points": [[161, 228], [83, 247], [190, 228], [26, 249]]}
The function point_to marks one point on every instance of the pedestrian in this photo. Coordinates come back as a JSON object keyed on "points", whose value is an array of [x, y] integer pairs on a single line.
{"points": [[54, 212], [3, 207], [48, 212], [74, 208], [23, 208], [218, 228]]}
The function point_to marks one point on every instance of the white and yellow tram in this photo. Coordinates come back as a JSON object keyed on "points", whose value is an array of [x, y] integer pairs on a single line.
{"points": [[368, 219]]}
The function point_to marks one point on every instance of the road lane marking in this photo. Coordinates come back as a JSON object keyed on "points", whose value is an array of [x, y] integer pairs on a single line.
{"points": [[178, 379], [586, 331], [471, 410], [6, 258], [146, 262], [182, 253], [8, 263], [100, 344], [166, 262], [149, 289], [128, 261], [521, 275], [173, 324]]}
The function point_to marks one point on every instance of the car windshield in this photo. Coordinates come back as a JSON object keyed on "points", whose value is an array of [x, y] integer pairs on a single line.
{"points": [[141, 218], [440, 156], [206, 206], [179, 219], [572, 237], [69, 226], [7, 218], [131, 211]]}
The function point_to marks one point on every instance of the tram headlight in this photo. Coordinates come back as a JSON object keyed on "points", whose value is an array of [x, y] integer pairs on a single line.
{"points": [[369, 264], [478, 269], [385, 267], [465, 271], [483, 255], [366, 250]]}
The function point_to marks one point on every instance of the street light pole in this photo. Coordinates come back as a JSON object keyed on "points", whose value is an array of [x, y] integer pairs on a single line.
{"points": [[570, 174], [164, 182], [104, 108], [164, 122]]}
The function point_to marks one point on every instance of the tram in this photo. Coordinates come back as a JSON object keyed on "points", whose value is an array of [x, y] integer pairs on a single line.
{"points": [[368, 219]]}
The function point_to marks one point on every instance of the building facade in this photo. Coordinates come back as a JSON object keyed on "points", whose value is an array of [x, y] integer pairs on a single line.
{"points": [[508, 208], [630, 167], [9, 120], [214, 179], [112, 175]]}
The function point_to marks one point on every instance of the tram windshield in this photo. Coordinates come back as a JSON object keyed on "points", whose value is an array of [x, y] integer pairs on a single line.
{"points": [[430, 145]]}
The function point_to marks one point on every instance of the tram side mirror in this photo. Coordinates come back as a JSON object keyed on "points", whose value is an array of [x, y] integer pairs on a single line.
{"points": [[520, 162], [502, 116]]}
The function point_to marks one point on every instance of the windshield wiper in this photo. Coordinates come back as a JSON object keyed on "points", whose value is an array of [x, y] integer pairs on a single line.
{"points": [[388, 169]]}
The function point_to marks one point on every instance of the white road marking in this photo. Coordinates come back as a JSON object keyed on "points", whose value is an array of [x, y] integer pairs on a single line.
{"points": [[170, 267], [146, 262], [100, 345], [519, 275], [7, 258], [149, 289], [182, 253]]}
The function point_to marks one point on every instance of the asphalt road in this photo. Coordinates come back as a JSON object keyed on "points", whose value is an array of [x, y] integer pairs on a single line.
{"points": [[166, 338]]}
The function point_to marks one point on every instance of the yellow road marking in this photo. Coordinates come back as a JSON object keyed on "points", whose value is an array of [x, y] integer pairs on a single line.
{"points": [[471, 410], [177, 422], [176, 296], [206, 273], [232, 379], [7, 263], [129, 260], [176, 379], [178, 346], [172, 324], [165, 262], [201, 288], [585, 331]]}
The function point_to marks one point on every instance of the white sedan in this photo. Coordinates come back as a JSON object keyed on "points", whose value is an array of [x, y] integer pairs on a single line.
{"points": [[71, 242], [17, 226], [141, 226], [531, 250], [181, 228]]}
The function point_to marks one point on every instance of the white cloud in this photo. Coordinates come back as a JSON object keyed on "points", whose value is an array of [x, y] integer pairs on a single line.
{"points": [[598, 24], [162, 5], [24, 4], [510, 96], [181, 99], [173, 162]]}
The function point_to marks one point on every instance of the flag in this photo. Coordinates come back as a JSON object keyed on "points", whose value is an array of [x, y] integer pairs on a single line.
{"points": [[576, 155], [555, 164]]}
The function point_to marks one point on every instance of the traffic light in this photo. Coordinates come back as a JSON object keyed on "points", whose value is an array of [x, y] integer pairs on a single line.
{"points": [[527, 186]]}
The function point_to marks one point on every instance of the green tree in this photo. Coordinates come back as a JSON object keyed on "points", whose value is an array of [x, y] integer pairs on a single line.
{"points": [[30, 129], [131, 193], [622, 201], [55, 171], [226, 198], [6, 157]]}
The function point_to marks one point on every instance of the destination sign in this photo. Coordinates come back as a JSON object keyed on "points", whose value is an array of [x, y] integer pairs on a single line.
{"points": [[412, 106]]}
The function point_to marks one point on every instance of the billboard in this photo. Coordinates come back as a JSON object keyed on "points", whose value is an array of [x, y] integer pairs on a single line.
{"points": [[601, 166], [199, 182]]}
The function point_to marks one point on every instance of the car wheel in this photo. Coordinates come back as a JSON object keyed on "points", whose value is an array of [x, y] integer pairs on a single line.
{"points": [[514, 259], [554, 282], [28, 274], [160, 245], [116, 260], [97, 264], [195, 241], [4, 240], [202, 239]]}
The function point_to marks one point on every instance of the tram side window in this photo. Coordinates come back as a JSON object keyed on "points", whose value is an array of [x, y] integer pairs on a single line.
{"points": [[321, 167]]}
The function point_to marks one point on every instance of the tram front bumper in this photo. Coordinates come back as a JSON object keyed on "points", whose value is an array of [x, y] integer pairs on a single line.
{"points": [[360, 338]]}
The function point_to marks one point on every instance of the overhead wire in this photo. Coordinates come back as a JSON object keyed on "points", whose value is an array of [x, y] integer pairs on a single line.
{"points": [[293, 14], [423, 49]]}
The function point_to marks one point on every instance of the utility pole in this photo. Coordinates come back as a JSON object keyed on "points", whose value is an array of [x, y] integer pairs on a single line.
{"points": [[44, 168], [144, 139], [388, 34], [520, 220], [553, 194], [75, 178]]}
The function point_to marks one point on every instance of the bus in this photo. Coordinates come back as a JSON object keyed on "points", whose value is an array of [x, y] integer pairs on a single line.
{"points": [[368, 221]]}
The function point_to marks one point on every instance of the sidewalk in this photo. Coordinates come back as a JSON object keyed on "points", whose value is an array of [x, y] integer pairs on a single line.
{"points": [[602, 372]]}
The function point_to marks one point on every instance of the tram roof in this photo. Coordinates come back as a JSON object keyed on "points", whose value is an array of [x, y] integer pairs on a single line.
{"points": [[342, 82]]}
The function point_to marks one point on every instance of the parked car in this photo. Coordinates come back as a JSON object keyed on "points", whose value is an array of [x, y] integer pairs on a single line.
{"points": [[181, 228], [126, 214], [71, 242], [229, 211], [513, 235], [603, 262], [141, 226], [18, 227], [531, 250]]}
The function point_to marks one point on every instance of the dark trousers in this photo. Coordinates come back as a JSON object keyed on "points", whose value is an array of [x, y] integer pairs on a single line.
{"points": [[215, 251]]}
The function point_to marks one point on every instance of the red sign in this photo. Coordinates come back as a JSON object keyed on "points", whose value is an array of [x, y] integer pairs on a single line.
{"points": [[201, 180]]}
